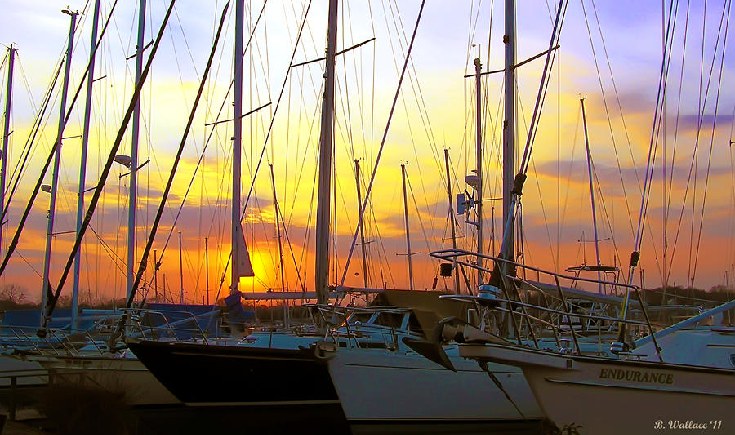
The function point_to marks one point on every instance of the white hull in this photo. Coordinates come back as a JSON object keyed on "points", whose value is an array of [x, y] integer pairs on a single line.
{"points": [[25, 373], [119, 375], [605, 396], [375, 385]]}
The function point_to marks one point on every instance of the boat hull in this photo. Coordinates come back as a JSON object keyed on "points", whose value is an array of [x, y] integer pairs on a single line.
{"points": [[126, 376], [373, 387], [606, 396], [222, 375], [408, 387]]}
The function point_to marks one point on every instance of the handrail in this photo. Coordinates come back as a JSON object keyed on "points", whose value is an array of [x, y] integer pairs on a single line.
{"points": [[167, 325], [513, 282], [685, 323], [61, 342], [445, 254]]}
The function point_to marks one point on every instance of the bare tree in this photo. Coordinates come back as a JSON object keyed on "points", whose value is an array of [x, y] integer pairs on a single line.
{"points": [[13, 293]]}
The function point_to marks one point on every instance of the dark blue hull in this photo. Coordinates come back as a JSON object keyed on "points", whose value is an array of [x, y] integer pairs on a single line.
{"points": [[217, 375]]}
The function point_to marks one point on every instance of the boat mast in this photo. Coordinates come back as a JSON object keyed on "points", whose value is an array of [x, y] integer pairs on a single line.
{"points": [[451, 221], [284, 302], [408, 233], [206, 267], [181, 274], [509, 128], [132, 200], [83, 164], [237, 147], [45, 286], [592, 196], [325, 163], [361, 221], [6, 136], [478, 167], [155, 274]]}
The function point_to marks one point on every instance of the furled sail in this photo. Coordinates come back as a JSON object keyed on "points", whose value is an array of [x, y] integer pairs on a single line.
{"points": [[243, 266]]}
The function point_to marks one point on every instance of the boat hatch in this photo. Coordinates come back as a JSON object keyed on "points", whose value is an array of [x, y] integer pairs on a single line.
{"points": [[366, 344], [390, 319]]}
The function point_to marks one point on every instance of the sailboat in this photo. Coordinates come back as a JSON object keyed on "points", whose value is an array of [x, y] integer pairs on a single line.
{"points": [[680, 378], [85, 358], [356, 362]]}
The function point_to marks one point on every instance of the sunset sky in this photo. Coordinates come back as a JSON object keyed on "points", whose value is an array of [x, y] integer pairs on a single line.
{"points": [[610, 53]]}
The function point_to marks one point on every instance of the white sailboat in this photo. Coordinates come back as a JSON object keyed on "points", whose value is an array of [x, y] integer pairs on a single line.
{"points": [[681, 378], [638, 396], [84, 358]]}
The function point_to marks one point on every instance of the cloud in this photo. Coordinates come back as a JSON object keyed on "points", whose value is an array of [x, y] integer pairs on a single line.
{"points": [[690, 122]]}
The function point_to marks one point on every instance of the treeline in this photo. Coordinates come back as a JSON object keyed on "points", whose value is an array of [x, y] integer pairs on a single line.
{"points": [[677, 295], [13, 297]]}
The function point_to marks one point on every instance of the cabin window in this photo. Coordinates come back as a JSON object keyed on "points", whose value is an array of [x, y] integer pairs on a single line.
{"points": [[414, 325], [360, 317], [391, 320]]}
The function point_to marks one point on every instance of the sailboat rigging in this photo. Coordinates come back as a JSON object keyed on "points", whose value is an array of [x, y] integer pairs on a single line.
{"points": [[354, 359], [520, 339], [135, 132], [37, 187], [696, 383], [238, 240], [151, 237], [105, 172], [321, 268]]}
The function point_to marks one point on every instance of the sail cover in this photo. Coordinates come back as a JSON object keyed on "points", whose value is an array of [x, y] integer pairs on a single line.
{"points": [[243, 266]]}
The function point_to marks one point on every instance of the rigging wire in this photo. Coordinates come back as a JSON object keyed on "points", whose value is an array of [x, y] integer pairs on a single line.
{"points": [[53, 296], [418, 95], [117, 261], [190, 266], [541, 96], [703, 96], [268, 134], [278, 101], [530, 138], [18, 172], [712, 137], [418, 214], [204, 149], [532, 129], [30, 265], [660, 127], [652, 148], [177, 159], [382, 142], [676, 141], [474, 18], [695, 161], [385, 265], [732, 197], [608, 115], [357, 66], [37, 187]]}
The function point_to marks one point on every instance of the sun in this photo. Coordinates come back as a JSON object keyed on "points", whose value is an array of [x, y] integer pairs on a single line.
{"points": [[260, 262]]}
